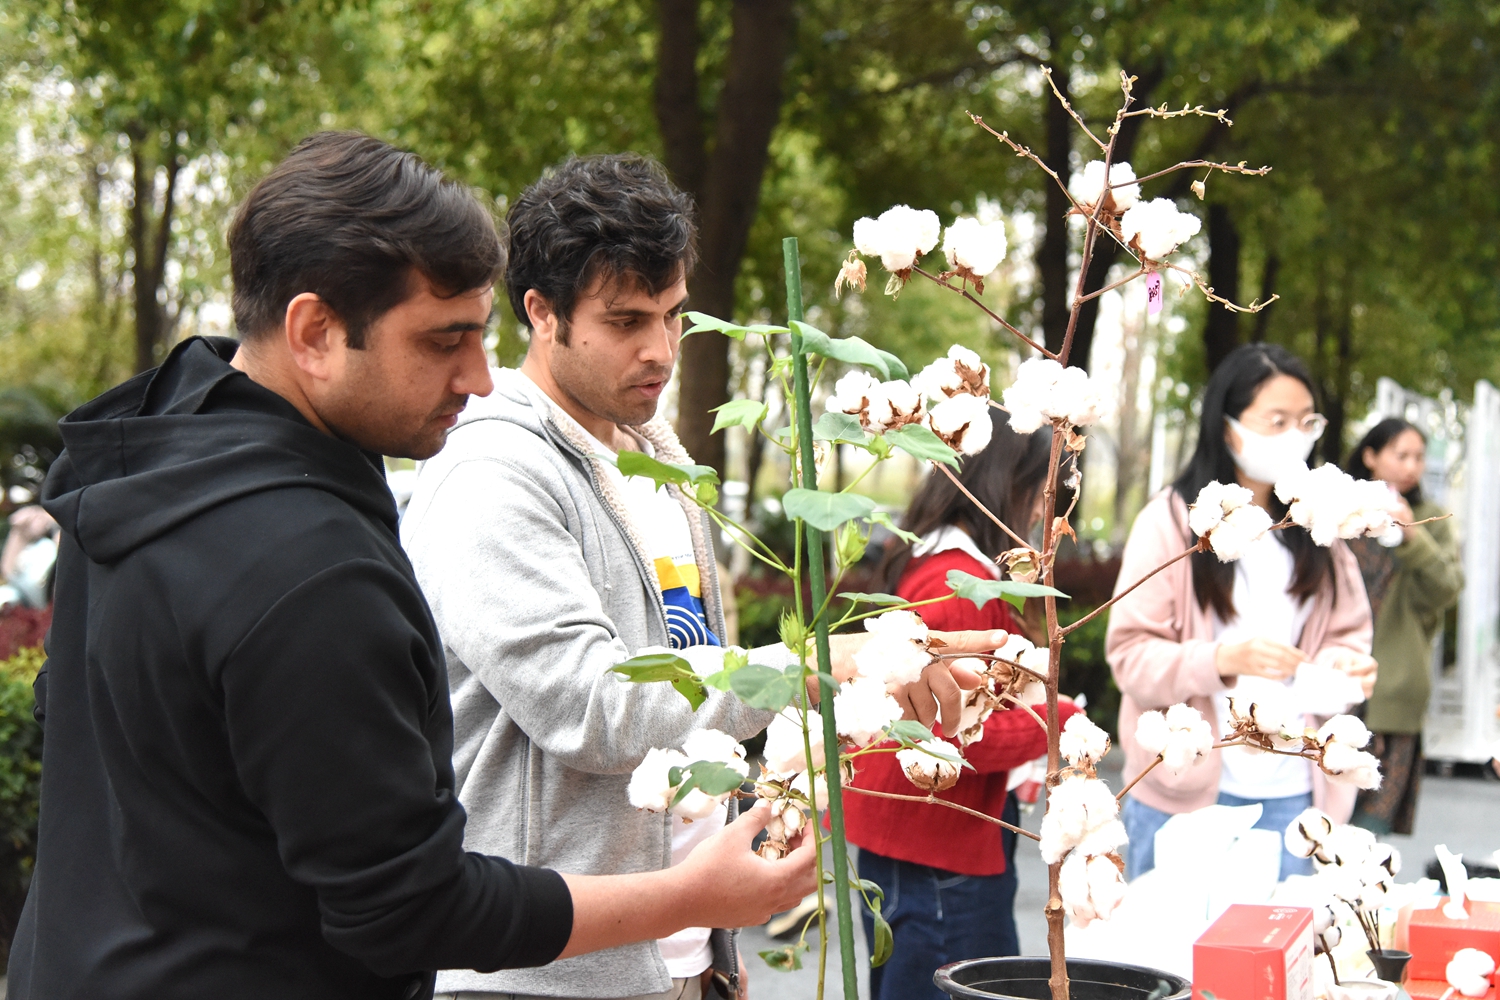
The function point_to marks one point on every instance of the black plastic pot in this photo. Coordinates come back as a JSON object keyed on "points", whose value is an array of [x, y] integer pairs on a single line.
{"points": [[1390, 964], [1026, 979]]}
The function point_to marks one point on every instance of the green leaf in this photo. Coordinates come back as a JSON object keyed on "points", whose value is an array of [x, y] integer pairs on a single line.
{"points": [[982, 592], [636, 463], [880, 599], [786, 959], [871, 889], [839, 427], [911, 732], [653, 667], [734, 659], [764, 687], [851, 349], [883, 519], [825, 511], [713, 777], [650, 667], [738, 413], [703, 321], [918, 441], [885, 941]]}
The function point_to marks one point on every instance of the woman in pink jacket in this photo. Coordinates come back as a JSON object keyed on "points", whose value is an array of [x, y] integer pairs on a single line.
{"points": [[1202, 630]]}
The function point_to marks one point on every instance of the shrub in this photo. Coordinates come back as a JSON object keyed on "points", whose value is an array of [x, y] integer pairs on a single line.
{"points": [[20, 786]]}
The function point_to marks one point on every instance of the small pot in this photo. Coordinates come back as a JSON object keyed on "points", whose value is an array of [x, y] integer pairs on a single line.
{"points": [[1390, 964], [1027, 978], [1363, 989]]}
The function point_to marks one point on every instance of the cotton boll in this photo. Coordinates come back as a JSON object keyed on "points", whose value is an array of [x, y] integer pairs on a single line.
{"points": [[898, 625], [1088, 186], [1044, 391], [978, 705], [1345, 729], [896, 652], [1152, 732], [1104, 838], [1232, 537], [1469, 972], [975, 247], [1183, 716], [1016, 645], [713, 745], [1073, 887], [960, 372], [1189, 738], [1076, 806], [1349, 766], [868, 237], [863, 710], [1082, 741], [898, 237], [649, 787], [1330, 937], [927, 772], [1032, 694], [1214, 501], [1307, 832], [903, 402], [819, 788], [784, 752], [1157, 228], [859, 395], [1106, 885], [696, 804], [963, 423]]}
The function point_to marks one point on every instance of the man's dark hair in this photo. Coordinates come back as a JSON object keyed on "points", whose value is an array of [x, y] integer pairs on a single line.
{"points": [[616, 217], [353, 220]]}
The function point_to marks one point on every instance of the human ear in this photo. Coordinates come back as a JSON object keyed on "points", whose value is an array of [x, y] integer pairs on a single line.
{"points": [[315, 335], [1368, 458], [1231, 439], [542, 316]]}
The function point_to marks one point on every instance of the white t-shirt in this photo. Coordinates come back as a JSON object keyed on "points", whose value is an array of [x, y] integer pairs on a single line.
{"points": [[662, 523], [1267, 611]]}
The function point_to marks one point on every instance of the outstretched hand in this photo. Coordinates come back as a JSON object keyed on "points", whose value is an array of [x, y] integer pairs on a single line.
{"points": [[732, 886]]}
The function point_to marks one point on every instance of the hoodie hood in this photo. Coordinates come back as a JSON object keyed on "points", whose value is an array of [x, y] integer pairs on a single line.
{"points": [[195, 433]]}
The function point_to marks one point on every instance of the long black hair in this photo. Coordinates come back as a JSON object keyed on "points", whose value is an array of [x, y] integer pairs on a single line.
{"points": [[1006, 477], [1376, 439], [1233, 387]]}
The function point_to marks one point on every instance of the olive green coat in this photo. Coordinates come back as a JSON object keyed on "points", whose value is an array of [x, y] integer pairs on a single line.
{"points": [[1426, 583]]}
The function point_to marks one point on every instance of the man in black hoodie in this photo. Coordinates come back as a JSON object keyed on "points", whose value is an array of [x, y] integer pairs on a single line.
{"points": [[247, 789]]}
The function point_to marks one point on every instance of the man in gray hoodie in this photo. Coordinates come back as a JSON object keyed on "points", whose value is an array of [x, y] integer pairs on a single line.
{"points": [[545, 568]]}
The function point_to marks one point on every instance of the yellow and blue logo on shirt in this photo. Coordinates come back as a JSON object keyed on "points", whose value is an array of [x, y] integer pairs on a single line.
{"points": [[681, 589]]}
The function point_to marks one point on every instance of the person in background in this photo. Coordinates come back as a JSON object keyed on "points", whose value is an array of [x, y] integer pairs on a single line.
{"points": [[948, 878], [1202, 630], [1410, 585]]}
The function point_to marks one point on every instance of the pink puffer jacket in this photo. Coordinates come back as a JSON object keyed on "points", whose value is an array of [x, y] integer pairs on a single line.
{"points": [[1161, 649]]}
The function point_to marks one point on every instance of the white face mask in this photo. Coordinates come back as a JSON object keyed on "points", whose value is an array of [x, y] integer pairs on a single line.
{"points": [[1267, 458]]}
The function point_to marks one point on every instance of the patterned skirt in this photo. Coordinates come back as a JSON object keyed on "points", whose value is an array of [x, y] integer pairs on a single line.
{"points": [[1392, 807]]}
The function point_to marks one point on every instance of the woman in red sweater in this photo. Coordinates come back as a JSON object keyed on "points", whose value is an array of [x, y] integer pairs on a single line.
{"points": [[947, 877]]}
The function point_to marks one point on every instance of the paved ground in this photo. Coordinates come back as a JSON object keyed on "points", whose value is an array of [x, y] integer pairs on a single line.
{"points": [[1462, 812]]}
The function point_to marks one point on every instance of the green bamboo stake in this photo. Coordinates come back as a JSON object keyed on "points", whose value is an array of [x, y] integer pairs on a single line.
{"points": [[816, 565]]}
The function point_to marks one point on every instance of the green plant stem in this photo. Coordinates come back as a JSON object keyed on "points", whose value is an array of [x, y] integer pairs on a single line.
{"points": [[815, 566], [892, 607]]}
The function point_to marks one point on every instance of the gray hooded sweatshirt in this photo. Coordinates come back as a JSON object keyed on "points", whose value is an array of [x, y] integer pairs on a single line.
{"points": [[540, 584]]}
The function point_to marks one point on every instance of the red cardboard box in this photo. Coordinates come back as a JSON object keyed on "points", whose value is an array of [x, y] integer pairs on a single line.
{"points": [[1256, 953], [1433, 938]]}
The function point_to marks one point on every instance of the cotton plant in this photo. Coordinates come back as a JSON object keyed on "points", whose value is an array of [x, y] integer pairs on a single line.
{"points": [[823, 728], [1354, 870]]}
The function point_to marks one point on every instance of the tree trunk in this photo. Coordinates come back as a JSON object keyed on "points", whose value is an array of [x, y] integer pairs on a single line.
{"points": [[1221, 329], [149, 242], [729, 190], [1052, 254]]}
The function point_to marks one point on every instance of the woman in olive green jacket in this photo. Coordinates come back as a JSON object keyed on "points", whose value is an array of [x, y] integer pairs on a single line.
{"points": [[1410, 584]]}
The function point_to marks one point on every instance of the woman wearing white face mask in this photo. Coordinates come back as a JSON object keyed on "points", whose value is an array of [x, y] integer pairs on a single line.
{"points": [[1203, 630]]}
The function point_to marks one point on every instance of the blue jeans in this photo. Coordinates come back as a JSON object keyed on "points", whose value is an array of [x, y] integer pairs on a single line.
{"points": [[938, 917], [1142, 821]]}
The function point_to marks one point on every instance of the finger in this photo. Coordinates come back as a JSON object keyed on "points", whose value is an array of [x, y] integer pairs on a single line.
{"points": [[975, 641], [965, 678], [752, 821], [949, 698], [921, 702]]}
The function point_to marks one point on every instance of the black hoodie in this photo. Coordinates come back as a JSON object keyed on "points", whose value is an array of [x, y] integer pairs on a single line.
{"points": [[247, 787]]}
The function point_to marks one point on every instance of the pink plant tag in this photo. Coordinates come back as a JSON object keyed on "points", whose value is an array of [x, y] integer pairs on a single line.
{"points": [[1153, 293]]}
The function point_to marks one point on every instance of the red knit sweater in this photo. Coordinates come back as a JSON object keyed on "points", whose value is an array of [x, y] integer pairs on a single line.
{"points": [[926, 834]]}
